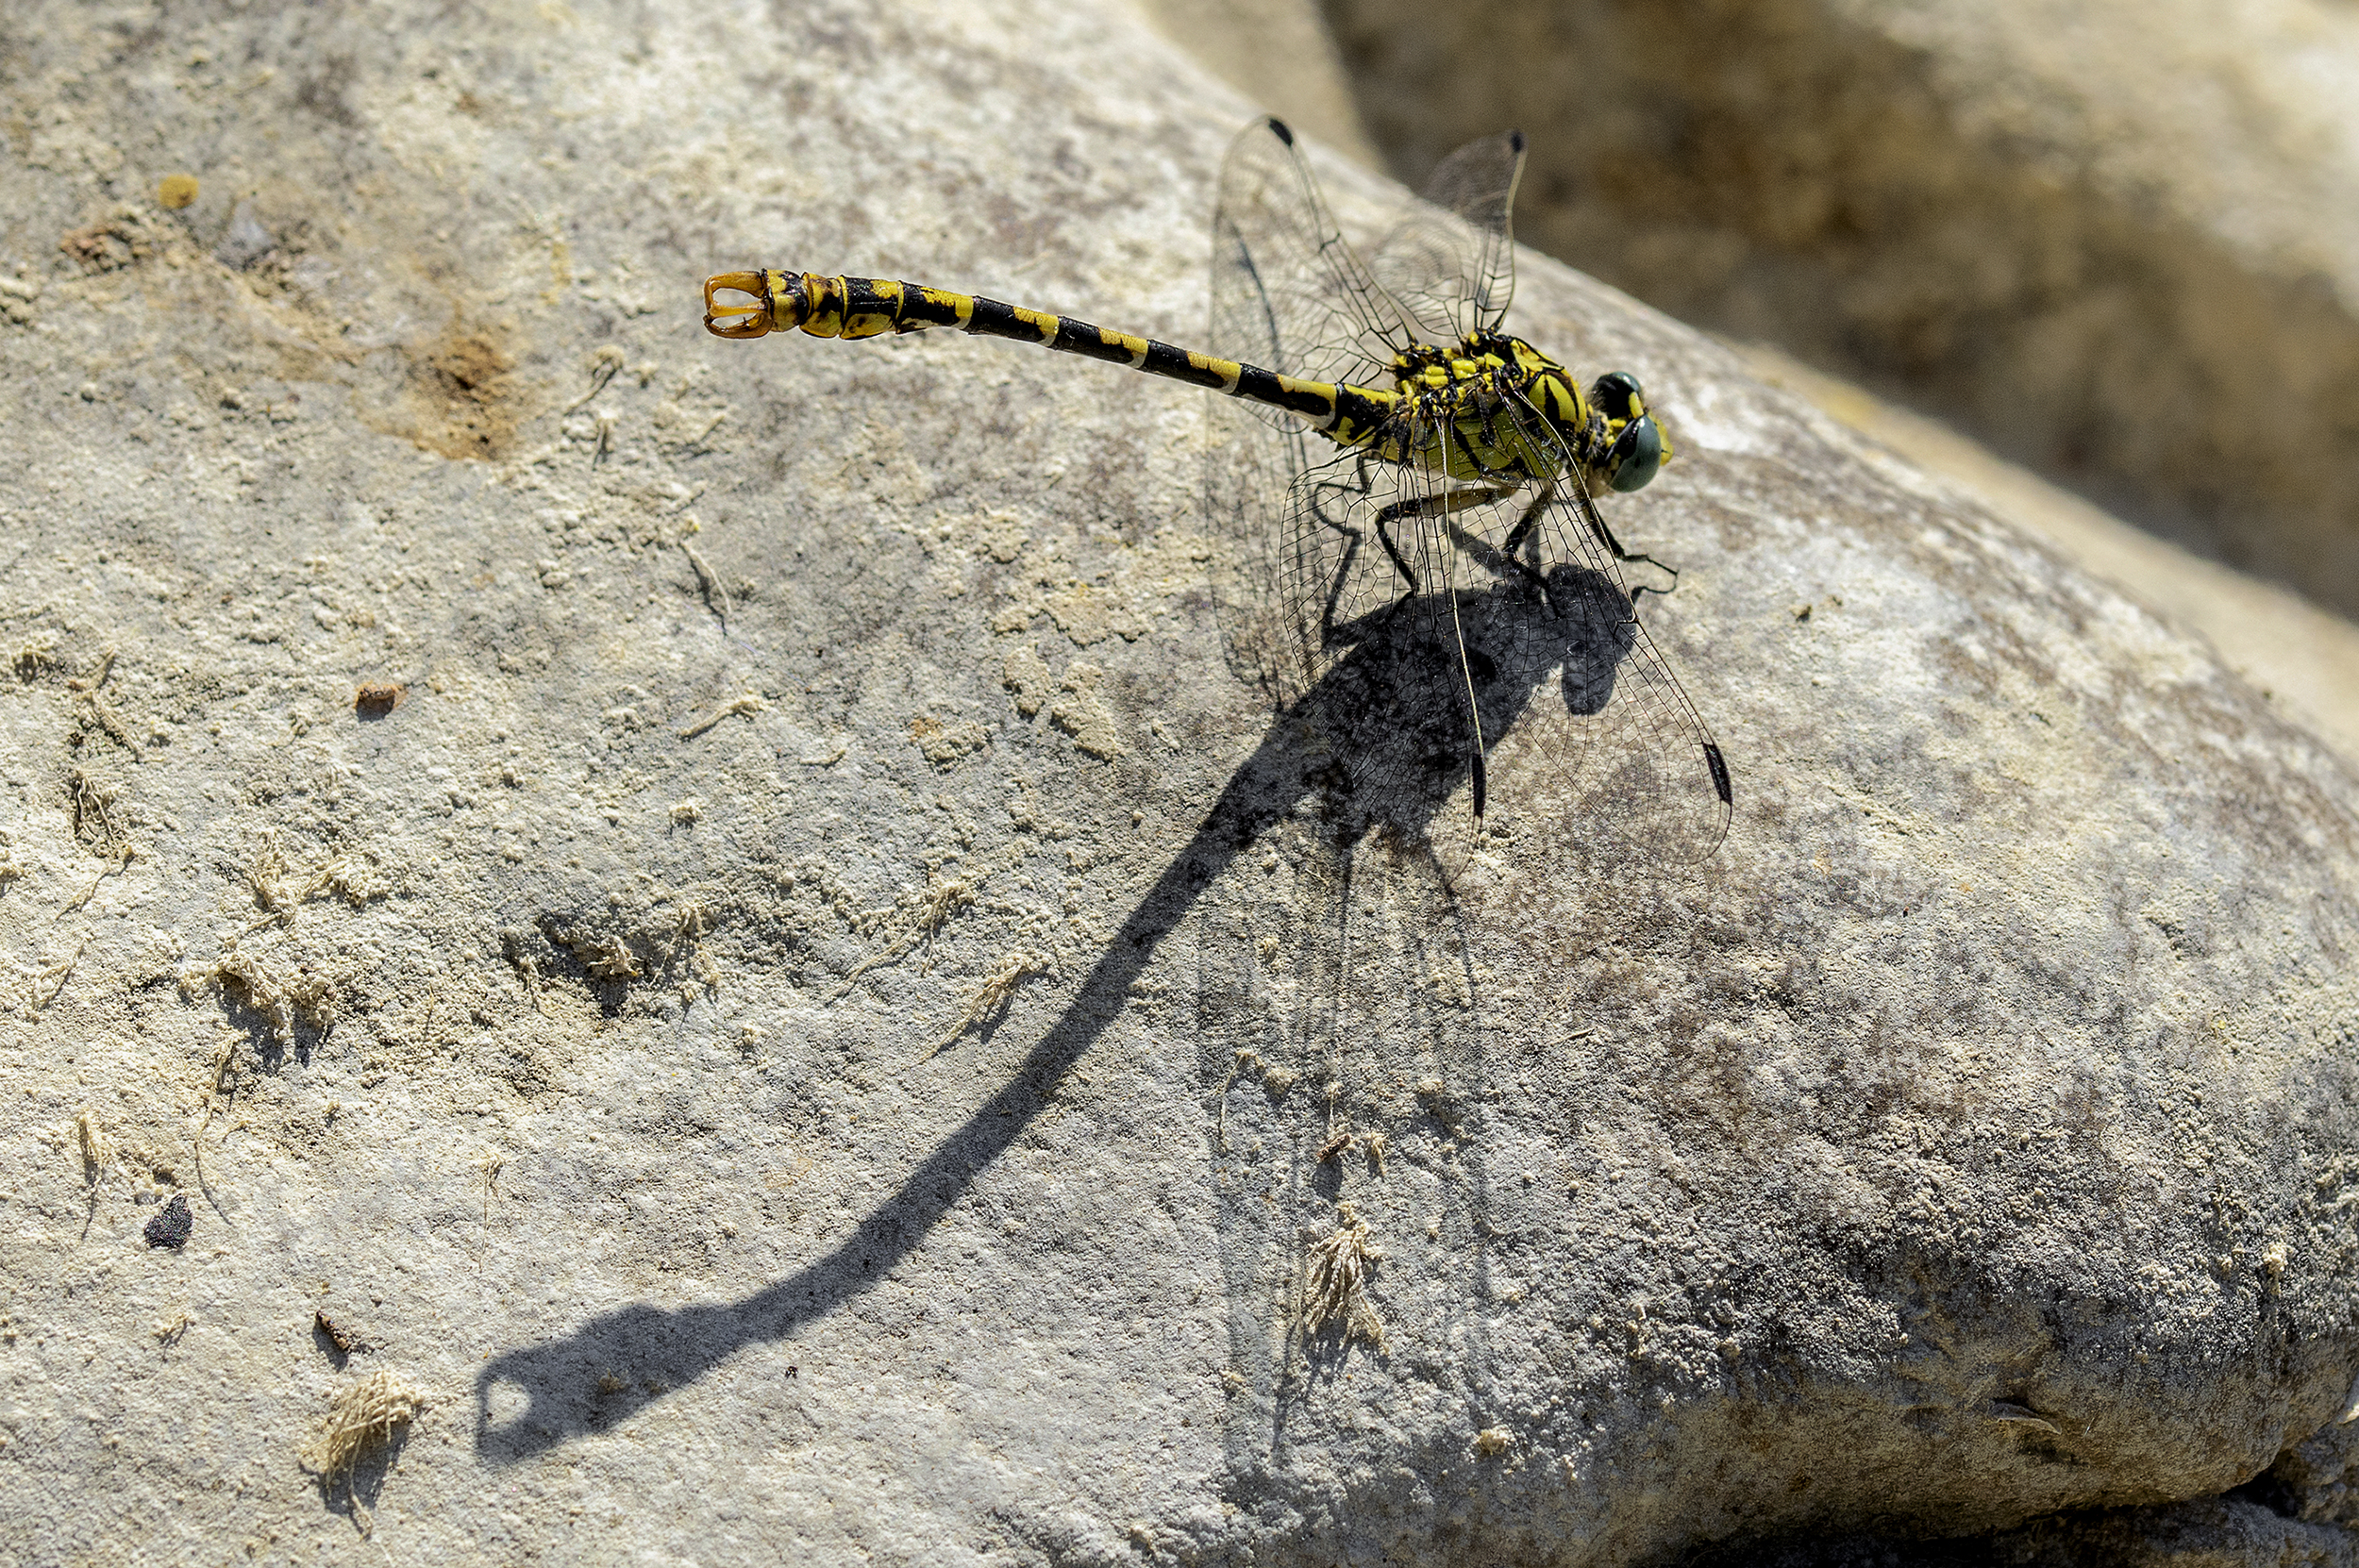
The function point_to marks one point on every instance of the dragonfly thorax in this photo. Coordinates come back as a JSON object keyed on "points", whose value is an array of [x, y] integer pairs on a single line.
{"points": [[1492, 408]]}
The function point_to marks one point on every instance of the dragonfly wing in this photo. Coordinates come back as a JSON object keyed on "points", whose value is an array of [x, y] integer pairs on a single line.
{"points": [[1450, 261], [1258, 474], [1289, 293], [1599, 760]]}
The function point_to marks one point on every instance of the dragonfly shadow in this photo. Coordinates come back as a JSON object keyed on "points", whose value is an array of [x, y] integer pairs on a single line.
{"points": [[1374, 744]]}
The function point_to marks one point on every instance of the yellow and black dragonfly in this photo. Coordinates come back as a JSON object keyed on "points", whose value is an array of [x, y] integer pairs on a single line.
{"points": [[1397, 473]]}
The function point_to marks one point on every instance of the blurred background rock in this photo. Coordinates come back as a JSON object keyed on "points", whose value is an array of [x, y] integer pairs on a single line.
{"points": [[2097, 262]]}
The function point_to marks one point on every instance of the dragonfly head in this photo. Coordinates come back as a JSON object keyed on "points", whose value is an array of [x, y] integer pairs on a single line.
{"points": [[1627, 446]]}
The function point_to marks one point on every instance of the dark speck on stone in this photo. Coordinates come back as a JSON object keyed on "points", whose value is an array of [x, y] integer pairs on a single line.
{"points": [[170, 1229]]}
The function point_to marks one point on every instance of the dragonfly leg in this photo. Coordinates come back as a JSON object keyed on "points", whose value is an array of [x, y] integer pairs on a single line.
{"points": [[1385, 536], [1613, 547], [1517, 535], [1445, 504], [1498, 560], [1340, 578]]}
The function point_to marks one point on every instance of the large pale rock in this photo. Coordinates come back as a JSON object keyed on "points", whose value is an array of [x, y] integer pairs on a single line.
{"points": [[2118, 240], [752, 1034]]}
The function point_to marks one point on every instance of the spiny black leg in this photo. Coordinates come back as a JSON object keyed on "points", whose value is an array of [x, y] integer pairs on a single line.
{"points": [[1521, 532], [1605, 537], [1385, 536], [1340, 577]]}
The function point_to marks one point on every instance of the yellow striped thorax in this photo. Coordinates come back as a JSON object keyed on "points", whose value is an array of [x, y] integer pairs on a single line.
{"points": [[1460, 411]]}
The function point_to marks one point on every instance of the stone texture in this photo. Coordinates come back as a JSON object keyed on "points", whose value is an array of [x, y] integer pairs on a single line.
{"points": [[693, 902], [2301, 657], [2119, 240]]}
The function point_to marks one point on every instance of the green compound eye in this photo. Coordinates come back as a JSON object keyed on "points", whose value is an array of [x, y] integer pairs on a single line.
{"points": [[1636, 456], [1615, 395]]}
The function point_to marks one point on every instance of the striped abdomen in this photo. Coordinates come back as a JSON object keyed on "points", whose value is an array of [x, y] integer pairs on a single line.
{"points": [[872, 307]]}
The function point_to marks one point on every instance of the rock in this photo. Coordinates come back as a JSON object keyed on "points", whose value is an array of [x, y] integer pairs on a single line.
{"points": [[718, 1018], [2117, 240], [2302, 658], [2318, 1481]]}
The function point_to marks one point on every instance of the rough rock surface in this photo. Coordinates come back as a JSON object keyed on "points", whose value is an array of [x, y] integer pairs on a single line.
{"points": [[2301, 656], [668, 894], [2119, 240]]}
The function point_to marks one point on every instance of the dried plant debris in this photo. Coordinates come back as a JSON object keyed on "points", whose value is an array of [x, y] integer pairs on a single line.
{"points": [[95, 821], [264, 876], [286, 996], [364, 1418], [1336, 1291], [346, 1339], [992, 998], [487, 1166], [921, 919], [691, 921], [37, 989], [98, 1152], [34, 658], [747, 704], [170, 1229], [375, 699], [607, 960]]}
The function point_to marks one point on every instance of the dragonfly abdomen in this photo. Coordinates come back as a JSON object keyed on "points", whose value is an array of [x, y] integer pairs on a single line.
{"points": [[874, 307]]}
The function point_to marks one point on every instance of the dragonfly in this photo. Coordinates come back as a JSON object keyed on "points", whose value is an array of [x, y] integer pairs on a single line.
{"points": [[1396, 475]]}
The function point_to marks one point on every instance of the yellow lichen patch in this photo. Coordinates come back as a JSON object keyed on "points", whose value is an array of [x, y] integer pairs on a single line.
{"points": [[945, 745], [1082, 715], [451, 395], [176, 191]]}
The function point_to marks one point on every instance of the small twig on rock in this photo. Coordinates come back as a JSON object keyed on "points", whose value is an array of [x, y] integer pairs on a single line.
{"points": [[716, 597], [749, 704], [991, 997]]}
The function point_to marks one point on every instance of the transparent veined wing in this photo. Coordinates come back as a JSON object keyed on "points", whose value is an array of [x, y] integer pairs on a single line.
{"points": [[1290, 295], [1449, 262], [1600, 762], [1289, 292]]}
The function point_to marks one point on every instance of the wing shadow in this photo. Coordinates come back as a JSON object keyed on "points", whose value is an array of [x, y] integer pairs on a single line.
{"points": [[1378, 745]]}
